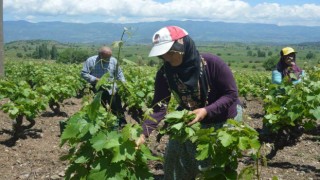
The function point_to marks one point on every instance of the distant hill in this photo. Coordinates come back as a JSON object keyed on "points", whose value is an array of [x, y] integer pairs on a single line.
{"points": [[203, 31]]}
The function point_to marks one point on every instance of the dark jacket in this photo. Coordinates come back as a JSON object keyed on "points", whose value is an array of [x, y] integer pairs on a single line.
{"points": [[222, 97]]}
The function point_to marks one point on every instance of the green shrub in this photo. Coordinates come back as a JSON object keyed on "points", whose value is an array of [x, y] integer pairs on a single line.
{"points": [[270, 63], [70, 56]]}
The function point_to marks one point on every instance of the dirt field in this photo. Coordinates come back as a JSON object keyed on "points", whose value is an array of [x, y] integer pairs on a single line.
{"points": [[37, 155]]}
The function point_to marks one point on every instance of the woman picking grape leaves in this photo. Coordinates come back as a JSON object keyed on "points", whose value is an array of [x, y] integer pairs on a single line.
{"points": [[201, 83]]}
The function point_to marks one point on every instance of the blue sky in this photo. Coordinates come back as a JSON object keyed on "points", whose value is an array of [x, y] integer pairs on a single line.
{"points": [[282, 12]]}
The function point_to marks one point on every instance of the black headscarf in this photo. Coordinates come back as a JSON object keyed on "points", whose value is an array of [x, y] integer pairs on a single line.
{"points": [[285, 69], [188, 81]]}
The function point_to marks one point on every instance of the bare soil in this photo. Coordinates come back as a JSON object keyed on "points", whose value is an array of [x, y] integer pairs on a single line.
{"points": [[36, 156]]}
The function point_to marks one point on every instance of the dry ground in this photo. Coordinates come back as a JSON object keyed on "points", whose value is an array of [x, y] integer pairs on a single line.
{"points": [[37, 156]]}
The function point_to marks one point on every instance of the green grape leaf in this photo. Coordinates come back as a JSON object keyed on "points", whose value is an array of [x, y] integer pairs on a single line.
{"points": [[255, 143], [225, 138], [94, 174], [146, 152], [81, 159], [99, 141], [71, 131], [247, 173], [117, 155], [293, 116], [140, 94], [316, 113], [190, 132], [177, 126], [204, 151], [13, 111], [94, 107], [112, 140], [175, 115], [243, 143]]}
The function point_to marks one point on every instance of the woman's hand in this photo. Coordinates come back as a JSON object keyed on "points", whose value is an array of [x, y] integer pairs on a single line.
{"points": [[200, 113], [140, 141]]}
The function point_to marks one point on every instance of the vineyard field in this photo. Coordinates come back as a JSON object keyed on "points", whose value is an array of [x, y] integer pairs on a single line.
{"points": [[279, 137], [37, 156]]}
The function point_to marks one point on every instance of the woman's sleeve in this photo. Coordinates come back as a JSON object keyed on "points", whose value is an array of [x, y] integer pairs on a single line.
{"points": [[160, 101], [300, 78], [226, 88], [276, 77], [294, 82]]}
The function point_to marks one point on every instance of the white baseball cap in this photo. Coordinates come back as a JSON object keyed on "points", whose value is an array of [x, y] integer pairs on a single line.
{"points": [[164, 38]]}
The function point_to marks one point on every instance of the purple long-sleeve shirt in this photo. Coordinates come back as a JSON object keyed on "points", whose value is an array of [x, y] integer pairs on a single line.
{"points": [[222, 98]]}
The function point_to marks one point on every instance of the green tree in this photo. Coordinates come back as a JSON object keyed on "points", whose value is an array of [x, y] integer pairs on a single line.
{"points": [[41, 52], [19, 55], [152, 63], [245, 66], [24, 48], [310, 55], [54, 52], [261, 53], [69, 56], [270, 63], [44, 51], [36, 53]]}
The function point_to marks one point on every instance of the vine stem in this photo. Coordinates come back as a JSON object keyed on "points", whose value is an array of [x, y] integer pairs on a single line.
{"points": [[117, 66]]}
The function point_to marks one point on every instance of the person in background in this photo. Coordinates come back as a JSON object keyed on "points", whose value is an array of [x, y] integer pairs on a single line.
{"points": [[94, 68], [287, 67], [201, 83]]}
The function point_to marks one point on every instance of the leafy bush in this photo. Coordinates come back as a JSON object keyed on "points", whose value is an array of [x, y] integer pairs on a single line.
{"points": [[270, 63], [245, 66], [70, 56], [98, 151], [19, 55], [261, 53], [310, 55]]}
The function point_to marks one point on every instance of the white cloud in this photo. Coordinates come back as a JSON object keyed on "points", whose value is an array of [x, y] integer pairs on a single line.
{"points": [[307, 14], [123, 11]]}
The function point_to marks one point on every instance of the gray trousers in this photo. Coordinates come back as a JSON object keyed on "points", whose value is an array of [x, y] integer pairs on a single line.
{"points": [[180, 162]]}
